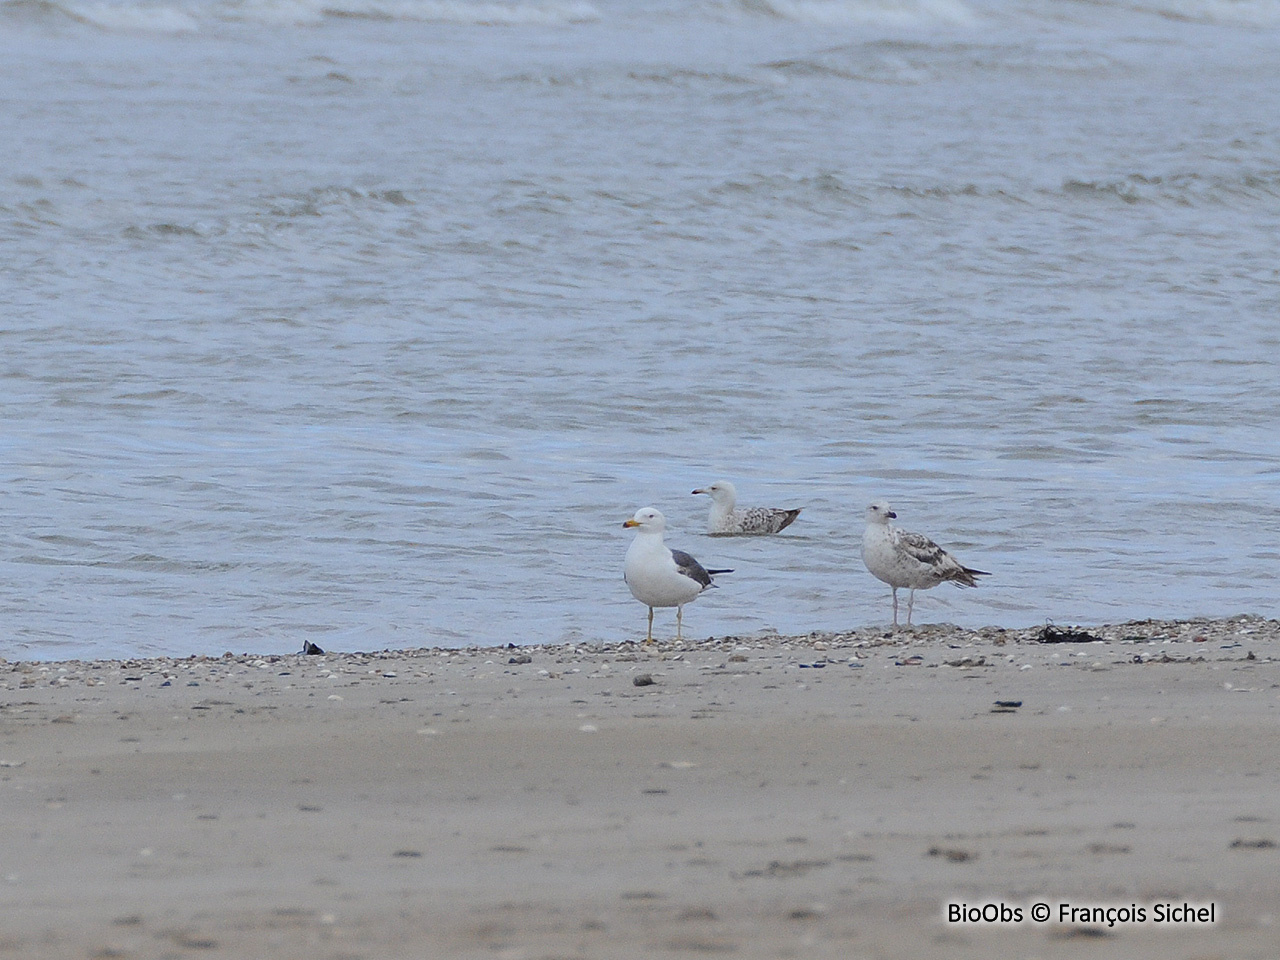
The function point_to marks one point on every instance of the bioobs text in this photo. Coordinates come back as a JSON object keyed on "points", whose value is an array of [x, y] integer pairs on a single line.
{"points": [[984, 913]]}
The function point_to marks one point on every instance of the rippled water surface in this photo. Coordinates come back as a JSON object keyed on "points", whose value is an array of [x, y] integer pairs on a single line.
{"points": [[368, 323]]}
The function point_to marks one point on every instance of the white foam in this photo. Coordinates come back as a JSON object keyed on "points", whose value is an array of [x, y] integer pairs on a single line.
{"points": [[280, 12], [176, 18], [134, 17], [1253, 13], [467, 11], [886, 12]]}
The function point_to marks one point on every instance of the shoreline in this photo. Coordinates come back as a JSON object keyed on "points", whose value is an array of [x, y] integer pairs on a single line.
{"points": [[817, 796], [1148, 629]]}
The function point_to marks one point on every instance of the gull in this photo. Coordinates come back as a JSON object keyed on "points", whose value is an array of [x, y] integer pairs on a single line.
{"points": [[659, 576], [726, 520], [910, 560]]}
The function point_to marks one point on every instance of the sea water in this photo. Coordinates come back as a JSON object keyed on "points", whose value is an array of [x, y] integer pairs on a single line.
{"points": [[368, 322]]}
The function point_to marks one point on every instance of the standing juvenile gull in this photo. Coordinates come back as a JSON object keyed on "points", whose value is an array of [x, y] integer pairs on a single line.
{"points": [[659, 576], [725, 519], [910, 560]]}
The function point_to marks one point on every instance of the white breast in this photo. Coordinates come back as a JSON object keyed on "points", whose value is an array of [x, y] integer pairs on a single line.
{"points": [[887, 561], [652, 576]]}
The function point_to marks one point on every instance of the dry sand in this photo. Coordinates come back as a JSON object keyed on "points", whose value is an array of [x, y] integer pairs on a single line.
{"points": [[821, 796]]}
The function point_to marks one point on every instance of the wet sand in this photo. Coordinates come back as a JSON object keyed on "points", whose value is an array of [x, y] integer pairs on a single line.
{"points": [[821, 796]]}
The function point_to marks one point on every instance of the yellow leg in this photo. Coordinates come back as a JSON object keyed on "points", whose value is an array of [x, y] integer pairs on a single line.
{"points": [[679, 622], [649, 637]]}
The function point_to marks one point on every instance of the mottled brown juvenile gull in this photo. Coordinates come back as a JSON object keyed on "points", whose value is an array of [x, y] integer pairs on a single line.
{"points": [[659, 576], [725, 520], [910, 560]]}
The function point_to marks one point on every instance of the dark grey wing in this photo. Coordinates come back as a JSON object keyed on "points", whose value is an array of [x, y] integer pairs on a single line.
{"points": [[691, 568], [919, 547], [767, 519]]}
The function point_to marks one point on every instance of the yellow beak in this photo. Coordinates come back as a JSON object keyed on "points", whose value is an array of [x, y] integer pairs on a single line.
{"points": [[631, 523]]}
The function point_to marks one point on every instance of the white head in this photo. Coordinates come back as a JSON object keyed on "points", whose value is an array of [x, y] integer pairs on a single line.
{"points": [[647, 520], [879, 512], [722, 491]]}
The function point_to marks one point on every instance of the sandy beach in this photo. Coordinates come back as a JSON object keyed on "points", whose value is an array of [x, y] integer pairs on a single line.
{"points": [[820, 796]]}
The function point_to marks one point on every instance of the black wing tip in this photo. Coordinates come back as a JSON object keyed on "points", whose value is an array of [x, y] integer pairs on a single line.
{"points": [[790, 518], [967, 575]]}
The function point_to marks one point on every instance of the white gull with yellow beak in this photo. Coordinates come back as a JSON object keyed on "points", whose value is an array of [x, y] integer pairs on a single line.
{"points": [[659, 576]]}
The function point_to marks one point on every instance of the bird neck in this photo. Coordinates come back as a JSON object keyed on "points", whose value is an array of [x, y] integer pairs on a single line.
{"points": [[647, 540]]}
